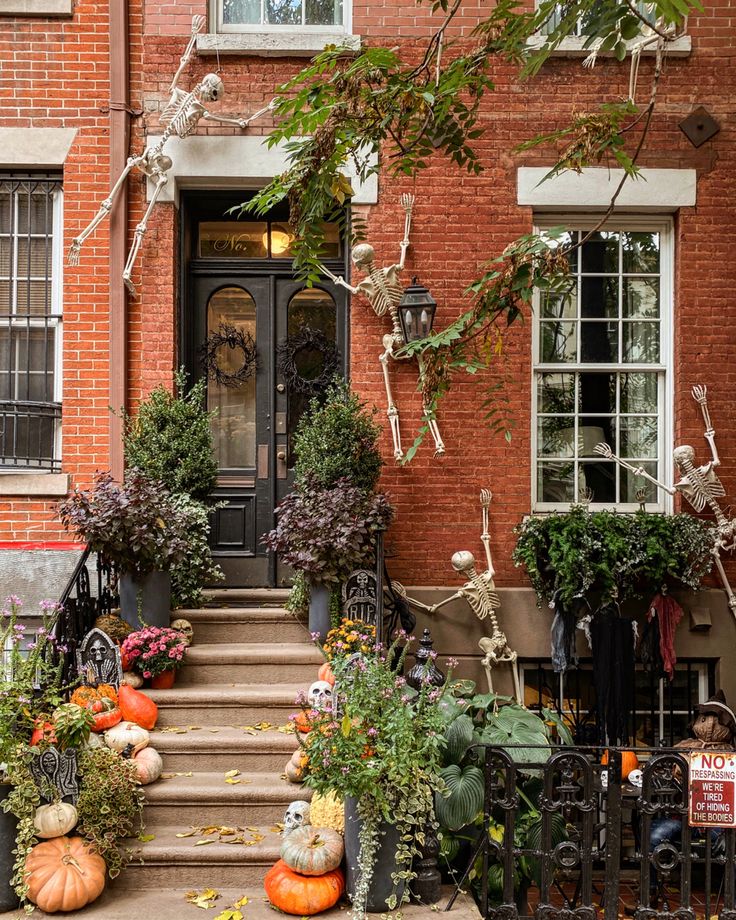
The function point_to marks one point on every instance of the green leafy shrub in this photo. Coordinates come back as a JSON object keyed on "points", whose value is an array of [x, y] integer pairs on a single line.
{"points": [[197, 568], [626, 555], [170, 439], [337, 438]]}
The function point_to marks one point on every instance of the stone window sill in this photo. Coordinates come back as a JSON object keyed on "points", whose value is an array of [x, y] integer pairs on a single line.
{"points": [[275, 44], [573, 46], [37, 8], [38, 484]]}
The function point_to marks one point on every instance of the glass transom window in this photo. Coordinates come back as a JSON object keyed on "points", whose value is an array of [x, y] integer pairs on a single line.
{"points": [[601, 348], [294, 13]]}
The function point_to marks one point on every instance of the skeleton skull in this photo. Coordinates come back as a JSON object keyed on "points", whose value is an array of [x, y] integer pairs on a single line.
{"points": [[212, 88], [462, 561], [319, 695], [683, 453], [185, 628], [98, 651], [297, 814], [363, 254]]}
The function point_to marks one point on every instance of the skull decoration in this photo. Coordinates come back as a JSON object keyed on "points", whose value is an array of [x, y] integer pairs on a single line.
{"points": [[297, 815], [319, 695], [185, 628]]}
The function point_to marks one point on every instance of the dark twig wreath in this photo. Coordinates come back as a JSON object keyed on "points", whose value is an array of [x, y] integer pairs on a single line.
{"points": [[235, 339], [287, 356]]}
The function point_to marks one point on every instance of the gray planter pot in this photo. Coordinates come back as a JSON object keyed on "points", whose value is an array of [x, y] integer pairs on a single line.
{"points": [[319, 610], [147, 599], [381, 886], [8, 824]]}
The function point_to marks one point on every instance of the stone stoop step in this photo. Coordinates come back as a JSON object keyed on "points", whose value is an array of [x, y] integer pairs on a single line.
{"points": [[250, 662], [209, 747], [171, 904], [245, 624], [231, 704]]}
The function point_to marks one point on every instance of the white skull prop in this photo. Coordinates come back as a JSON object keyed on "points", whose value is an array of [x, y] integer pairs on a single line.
{"points": [[319, 695], [297, 814], [185, 628]]}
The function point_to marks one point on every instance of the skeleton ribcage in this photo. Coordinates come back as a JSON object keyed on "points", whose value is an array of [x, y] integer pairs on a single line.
{"points": [[386, 294]]}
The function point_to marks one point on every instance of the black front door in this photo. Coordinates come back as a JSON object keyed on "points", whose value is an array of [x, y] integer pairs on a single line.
{"points": [[240, 304]]}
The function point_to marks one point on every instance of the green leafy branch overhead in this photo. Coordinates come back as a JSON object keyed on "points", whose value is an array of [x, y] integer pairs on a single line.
{"points": [[397, 110]]}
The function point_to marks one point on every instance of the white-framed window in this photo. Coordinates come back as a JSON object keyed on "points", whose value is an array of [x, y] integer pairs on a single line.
{"points": [[662, 710], [249, 15], [647, 10], [602, 368], [30, 321]]}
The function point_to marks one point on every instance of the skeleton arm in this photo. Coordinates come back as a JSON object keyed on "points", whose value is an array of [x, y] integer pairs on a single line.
{"points": [[485, 500], [605, 451], [407, 203], [700, 395], [236, 120], [197, 23], [338, 280], [448, 600]]}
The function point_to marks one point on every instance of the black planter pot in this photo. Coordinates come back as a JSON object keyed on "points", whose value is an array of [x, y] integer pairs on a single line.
{"points": [[146, 599], [8, 824], [381, 886]]}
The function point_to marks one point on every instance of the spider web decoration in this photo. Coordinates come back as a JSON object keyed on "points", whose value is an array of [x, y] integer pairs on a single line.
{"points": [[305, 341], [234, 339]]}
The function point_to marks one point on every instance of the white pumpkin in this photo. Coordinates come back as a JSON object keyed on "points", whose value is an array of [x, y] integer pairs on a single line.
{"points": [[55, 820], [120, 736], [149, 765], [94, 741], [132, 679]]}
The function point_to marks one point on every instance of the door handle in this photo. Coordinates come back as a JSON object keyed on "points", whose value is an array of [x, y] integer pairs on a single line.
{"points": [[281, 467], [281, 387]]}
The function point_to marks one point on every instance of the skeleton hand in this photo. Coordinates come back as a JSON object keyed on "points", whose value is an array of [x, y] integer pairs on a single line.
{"points": [[700, 394], [604, 450], [407, 203], [485, 497], [197, 24]]}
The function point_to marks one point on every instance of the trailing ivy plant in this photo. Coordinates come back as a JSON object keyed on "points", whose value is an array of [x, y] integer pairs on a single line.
{"points": [[622, 555], [197, 568]]}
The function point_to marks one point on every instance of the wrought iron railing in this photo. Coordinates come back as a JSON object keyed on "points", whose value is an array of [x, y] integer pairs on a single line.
{"points": [[82, 601], [610, 831]]}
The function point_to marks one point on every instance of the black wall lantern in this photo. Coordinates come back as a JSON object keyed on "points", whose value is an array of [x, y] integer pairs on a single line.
{"points": [[416, 312]]}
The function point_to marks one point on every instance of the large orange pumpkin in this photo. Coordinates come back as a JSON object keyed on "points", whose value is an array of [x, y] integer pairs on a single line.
{"points": [[137, 707], [102, 701], [43, 731], [302, 895], [64, 874], [629, 762], [325, 673]]}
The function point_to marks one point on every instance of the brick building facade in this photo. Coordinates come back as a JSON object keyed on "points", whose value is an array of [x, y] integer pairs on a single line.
{"points": [[63, 75]]}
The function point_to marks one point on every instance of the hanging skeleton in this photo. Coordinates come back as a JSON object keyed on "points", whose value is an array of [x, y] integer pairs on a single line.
{"points": [[180, 117], [699, 485], [383, 290], [480, 593]]}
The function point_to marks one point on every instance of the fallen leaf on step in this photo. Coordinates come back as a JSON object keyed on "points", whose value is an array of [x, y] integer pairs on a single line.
{"points": [[276, 828], [204, 899], [233, 773], [146, 838], [227, 831], [288, 729], [213, 730], [203, 842], [249, 843], [232, 781], [173, 730], [194, 728], [172, 775], [253, 830], [234, 840], [209, 829], [242, 902], [264, 726], [230, 915], [187, 834]]}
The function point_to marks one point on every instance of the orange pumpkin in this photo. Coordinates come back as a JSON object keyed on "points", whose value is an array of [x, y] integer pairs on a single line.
{"points": [[629, 762], [325, 673], [64, 874], [102, 701], [302, 895], [305, 720], [43, 731], [137, 707], [86, 696]]}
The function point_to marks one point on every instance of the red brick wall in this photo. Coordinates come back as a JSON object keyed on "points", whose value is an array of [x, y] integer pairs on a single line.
{"points": [[459, 222]]}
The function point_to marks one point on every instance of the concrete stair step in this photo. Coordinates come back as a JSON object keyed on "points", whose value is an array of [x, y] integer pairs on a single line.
{"points": [[169, 903], [257, 597], [224, 748], [207, 798], [252, 661], [226, 704], [244, 624]]}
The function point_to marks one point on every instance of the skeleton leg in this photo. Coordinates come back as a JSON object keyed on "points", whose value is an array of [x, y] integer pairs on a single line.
{"points": [[725, 582], [439, 444], [488, 666], [515, 674], [105, 208], [392, 411], [140, 230]]}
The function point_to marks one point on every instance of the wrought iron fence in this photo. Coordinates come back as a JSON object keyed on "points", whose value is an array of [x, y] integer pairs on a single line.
{"points": [[91, 591], [561, 832]]}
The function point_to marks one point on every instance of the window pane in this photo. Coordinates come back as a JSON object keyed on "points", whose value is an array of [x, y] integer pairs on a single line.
{"points": [[599, 342], [641, 342], [631, 484], [556, 436], [600, 253], [641, 298], [600, 478], [640, 252], [233, 240], [323, 12], [234, 426], [593, 431], [556, 393], [638, 392], [557, 342], [247, 12], [555, 482], [598, 393], [559, 304], [599, 298], [639, 437], [39, 208], [284, 12], [4, 256], [33, 297]]}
